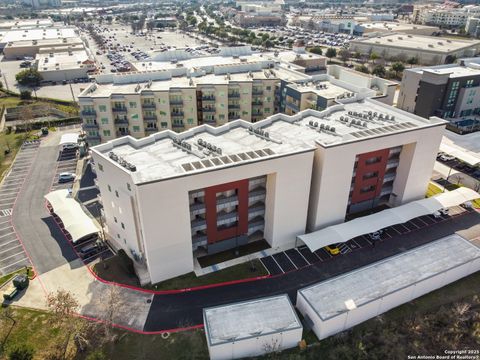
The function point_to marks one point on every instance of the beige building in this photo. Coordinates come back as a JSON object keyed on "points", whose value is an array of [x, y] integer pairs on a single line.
{"points": [[429, 50], [71, 63]]}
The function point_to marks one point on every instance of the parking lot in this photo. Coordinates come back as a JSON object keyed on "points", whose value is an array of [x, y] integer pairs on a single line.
{"points": [[12, 255], [66, 163], [300, 257]]}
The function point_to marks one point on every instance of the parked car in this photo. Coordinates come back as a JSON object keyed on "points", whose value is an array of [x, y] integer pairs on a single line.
{"points": [[332, 249], [65, 177]]}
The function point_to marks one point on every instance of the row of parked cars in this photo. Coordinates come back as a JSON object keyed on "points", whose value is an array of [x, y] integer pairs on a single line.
{"points": [[450, 160]]}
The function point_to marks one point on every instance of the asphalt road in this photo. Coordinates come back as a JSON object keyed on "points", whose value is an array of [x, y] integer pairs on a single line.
{"points": [[185, 309], [41, 237]]}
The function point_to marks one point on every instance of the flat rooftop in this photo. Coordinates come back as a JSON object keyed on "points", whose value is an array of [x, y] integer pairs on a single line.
{"points": [[62, 60], [329, 298], [249, 319], [419, 42], [39, 34], [453, 70], [157, 157], [395, 26], [46, 43], [324, 89]]}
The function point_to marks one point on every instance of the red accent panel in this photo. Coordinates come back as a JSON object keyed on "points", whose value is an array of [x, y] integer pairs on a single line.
{"points": [[364, 168], [213, 234]]}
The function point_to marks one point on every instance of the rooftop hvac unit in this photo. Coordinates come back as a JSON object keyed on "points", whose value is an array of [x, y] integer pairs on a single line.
{"points": [[315, 124], [322, 126], [327, 127], [364, 124], [332, 129]]}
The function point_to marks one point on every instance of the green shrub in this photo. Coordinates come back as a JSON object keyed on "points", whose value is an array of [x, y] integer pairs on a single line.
{"points": [[21, 352]]}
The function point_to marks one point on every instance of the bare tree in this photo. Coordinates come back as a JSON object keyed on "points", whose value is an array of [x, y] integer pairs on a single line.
{"points": [[110, 306], [25, 117]]}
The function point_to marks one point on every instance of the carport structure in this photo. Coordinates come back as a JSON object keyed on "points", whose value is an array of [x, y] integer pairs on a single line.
{"points": [[469, 157], [68, 139], [75, 221], [368, 224]]}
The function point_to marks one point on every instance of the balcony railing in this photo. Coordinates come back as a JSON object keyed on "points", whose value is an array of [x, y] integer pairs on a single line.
{"points": [[208, 98], [151, 117], [121, 121], [93, 137], [233, 95], [90, 126], [208, 109], [151, 130], [234, 106], [176, 102], [293, 106], [119, 109], [123, 133], [210, 121], [257, 103], [178, 125], [148, 105], [257, 92], [89, 113], [176, 113]]}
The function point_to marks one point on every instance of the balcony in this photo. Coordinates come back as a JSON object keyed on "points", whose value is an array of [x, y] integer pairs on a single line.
{"points": [[256, 92], [199, 240], [198, 224], [90, 126], [149, 105], [122, 133], [119, 109], [233, 106], [234, 95], [293, 106], [151, 130], [178, 125], [257, 103], [176, 113], [176, 102], [95, 137], [257, 113], [208, 98], [88, 113], [151, 117], [121, 121], [210, 121], [208, 109]]}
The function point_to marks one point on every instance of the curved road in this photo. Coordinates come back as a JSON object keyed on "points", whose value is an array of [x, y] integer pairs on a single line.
{"points": [[50, 253]]}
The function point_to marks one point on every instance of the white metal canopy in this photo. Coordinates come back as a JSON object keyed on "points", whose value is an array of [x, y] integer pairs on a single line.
{"points": [[367, 224], [469, 157], [76, 222]]}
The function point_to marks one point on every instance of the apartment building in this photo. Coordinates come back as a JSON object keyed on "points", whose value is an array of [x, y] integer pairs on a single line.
{"points": [[169, 198], [448, 91], [444, 15]]}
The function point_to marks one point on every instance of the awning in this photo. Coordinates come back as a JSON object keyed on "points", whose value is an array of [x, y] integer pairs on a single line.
{"points": [[76, 222], [368, 224], [466, 156], [70, 138]]}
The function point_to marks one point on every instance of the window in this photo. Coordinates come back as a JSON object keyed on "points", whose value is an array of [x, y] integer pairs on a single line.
{"points": [[132, 104], [123, 226], [373, 160], [129, 187], [106, 132], [163, 125], [190, 121], [244, 112], [367, 189], [268, 88], [136, 128], [163, 113], [221, 117], [100, 167], [135, 117], [116, 193], [267, 110], [115, 219], [102, 108], [370, 175], [109, 188], [104, 121]]}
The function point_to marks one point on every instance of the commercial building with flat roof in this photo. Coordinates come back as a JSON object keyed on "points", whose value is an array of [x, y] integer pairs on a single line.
{"points": [[429, 50], [398, 27], [210, 189], [451, 91], [73, 63], [347, 300], [251, 328]]}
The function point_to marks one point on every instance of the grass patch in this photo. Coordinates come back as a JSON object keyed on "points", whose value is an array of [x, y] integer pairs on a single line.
{"points": [[223, 256], [116, 271], [7, 277], [433, 190], [10, 141], [236, 272]]}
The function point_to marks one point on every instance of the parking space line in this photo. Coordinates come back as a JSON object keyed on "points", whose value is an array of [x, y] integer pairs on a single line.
{"points": [[8, 242], [277, 264], [1, 236], [16, 262], [308, 262], [423, 221], [4, 251], [5, 228], [288, 257], [412, 223], [8, 257]]}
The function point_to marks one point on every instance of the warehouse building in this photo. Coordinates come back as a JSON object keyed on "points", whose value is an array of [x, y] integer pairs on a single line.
{"points": [[347, 300], [429, 50], [74, 62], [448, 91], [251, 328], [211, 189]]}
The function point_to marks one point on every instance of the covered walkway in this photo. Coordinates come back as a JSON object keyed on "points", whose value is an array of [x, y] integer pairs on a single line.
{"points": [[368, 224], [78, 224]]}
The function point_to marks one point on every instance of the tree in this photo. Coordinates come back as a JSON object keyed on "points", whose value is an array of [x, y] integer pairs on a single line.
{"points": [[362, 68], [331, 53], [373, 56], [28, 77], [398, 67], [21, 352], [25, 95], [412, 61], [344, 55], [379, 70], [316, 50]]}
